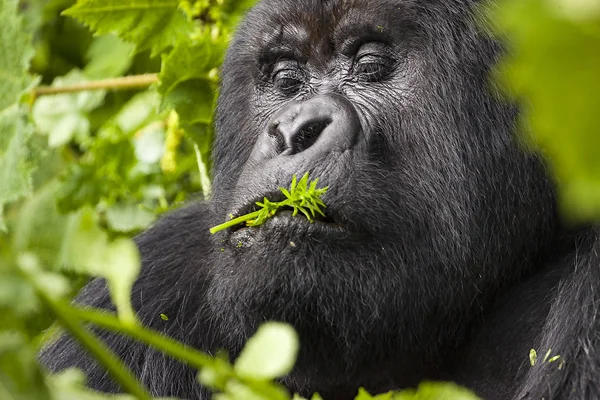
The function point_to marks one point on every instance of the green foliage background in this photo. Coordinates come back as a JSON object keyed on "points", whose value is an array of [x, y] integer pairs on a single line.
{"points": [[83, 170]]}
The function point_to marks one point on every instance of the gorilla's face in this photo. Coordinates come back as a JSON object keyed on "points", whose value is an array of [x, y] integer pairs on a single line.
{"points": [[387, 103]]}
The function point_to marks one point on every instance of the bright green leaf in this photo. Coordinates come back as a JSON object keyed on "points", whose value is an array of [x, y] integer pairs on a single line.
{"points": [[15, 164], [436, 391], [149, 24], [186, 81], [90, 251], [128, 218], [64, 116], [17, 295], [138, 111], [364, 395], [270, 353], [70, 385], [532, 357], [20, 376], [108, 56], [16, 53], [553, 69]]}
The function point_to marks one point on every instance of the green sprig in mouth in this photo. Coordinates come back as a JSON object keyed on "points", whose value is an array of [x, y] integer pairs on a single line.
{"points": [[302, 197]]}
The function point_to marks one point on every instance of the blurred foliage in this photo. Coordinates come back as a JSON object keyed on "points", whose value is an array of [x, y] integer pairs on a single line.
{"points": [[554, 70], [83, 170]]}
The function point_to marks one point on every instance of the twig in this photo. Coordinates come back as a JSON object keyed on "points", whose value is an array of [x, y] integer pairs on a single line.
{"points": [[91, 343], [124, 82], [175, 349]]}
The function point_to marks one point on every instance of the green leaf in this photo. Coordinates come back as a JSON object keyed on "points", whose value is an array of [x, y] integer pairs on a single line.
{"points": [[187, 79], [128, 218], [436, 391], [270, 353], [90, 251], [532, 357], [149, 143], [364, 395], [235, 390], [16, 165], [70, 385], [15, 56], [20, 376], [53, 284], [149, 24], [17, 295], [553, 68], [64, 116], [138, 111], [15, 169], [108, 57], [39, 228]]}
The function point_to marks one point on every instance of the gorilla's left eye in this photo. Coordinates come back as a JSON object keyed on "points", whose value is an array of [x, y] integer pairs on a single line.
{"points": [[372, 68], [373, 62]]}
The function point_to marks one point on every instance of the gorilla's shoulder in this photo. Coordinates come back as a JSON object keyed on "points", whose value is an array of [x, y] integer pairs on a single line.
{"points": [[180, 226], [175, 251]]}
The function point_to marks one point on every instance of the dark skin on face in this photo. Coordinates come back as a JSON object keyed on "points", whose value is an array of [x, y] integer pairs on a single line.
{"points": [[440, 256]]}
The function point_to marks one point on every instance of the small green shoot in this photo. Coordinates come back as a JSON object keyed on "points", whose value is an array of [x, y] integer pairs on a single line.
{"points": [[302, 197], [547, 359]]}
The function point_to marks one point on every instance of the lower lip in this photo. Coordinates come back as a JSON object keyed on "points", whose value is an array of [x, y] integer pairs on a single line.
{"points": [[284, 221]]}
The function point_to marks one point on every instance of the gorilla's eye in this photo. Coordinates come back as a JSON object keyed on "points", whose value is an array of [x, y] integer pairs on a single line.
{"points": [[287, 77], [372, 63], [372, 68]]}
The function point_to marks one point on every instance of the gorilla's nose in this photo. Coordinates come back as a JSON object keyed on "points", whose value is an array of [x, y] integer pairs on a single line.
{"points": [[322, 124]]}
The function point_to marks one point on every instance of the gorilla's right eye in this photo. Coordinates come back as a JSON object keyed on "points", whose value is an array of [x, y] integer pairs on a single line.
{"points": [[287, 78]]}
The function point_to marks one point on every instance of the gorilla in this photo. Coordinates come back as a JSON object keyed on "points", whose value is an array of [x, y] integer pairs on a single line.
{"points": [[442, 255]]}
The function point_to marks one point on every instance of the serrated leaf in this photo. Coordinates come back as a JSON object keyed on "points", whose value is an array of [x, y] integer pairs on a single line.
{"points": [[16, 53], [187, 79], [270, 353], [149, 24]]}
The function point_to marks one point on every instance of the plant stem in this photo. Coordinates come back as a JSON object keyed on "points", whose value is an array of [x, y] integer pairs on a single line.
{"points": [[68, 318], [173, 348], [124, 82], [234, 222]]}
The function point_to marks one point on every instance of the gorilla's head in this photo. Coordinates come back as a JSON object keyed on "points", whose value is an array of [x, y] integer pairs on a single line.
{"points": [[432, 205]]}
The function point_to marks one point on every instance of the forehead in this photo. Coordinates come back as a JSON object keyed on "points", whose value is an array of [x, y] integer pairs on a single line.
{"points": [[326, 23], [326, 16]]}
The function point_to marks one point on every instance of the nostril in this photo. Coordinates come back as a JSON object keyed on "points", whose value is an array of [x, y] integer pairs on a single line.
{"points": [[274, 131], [308, 134]]}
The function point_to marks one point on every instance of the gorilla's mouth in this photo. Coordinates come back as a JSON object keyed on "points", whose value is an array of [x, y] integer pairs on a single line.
{"points": [[328, 220]]}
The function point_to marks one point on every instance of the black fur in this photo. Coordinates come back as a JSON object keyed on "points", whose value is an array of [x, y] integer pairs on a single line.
{"points": [[452, 263]]}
